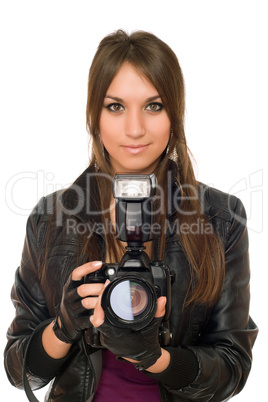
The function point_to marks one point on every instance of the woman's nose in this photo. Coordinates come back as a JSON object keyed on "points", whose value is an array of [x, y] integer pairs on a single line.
{"points": [[134, 125]]}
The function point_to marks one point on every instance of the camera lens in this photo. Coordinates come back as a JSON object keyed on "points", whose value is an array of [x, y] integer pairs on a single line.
{"points": [[130, 301]]}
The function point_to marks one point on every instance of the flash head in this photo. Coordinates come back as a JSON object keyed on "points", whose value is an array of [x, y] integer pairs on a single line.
{"points": [[134, 201], [134, 186]]}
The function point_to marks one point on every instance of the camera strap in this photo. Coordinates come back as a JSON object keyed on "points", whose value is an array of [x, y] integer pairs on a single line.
{"points": [[30, 395], [95, 361]]}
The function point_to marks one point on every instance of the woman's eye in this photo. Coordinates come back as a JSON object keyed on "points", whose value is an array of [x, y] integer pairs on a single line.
{"points": [[155, 107], [114, 107]]}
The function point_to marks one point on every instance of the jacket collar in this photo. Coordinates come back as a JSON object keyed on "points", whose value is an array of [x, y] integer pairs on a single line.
{"points": [[78, 199]]}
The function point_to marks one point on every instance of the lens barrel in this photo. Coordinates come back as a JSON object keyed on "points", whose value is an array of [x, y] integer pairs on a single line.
{"points": [[129, 302]]}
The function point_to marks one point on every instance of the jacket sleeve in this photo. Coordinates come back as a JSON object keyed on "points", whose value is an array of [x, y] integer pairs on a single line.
{"points": [[224, 349], [30, 306]]}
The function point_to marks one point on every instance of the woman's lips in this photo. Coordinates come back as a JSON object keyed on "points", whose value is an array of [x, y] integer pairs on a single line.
{"points": [[135, 149]]}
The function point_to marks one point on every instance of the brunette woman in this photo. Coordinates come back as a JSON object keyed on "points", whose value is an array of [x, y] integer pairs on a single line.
{"points": [[135, 117]]}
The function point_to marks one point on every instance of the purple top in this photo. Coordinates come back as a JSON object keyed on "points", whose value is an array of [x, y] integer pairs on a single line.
{"points": [[121, 381]]}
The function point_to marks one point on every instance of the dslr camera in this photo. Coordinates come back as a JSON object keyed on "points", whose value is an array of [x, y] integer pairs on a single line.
{"points": [[130, 299]]}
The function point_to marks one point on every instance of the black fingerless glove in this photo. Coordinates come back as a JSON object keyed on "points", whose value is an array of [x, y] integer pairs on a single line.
{"points": [[142, 346], [74, 318]]}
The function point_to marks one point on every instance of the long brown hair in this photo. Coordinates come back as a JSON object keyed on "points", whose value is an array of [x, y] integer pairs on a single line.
{"points": [[158, 63]]}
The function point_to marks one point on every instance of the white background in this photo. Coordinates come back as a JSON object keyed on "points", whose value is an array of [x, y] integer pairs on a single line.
{"points": [[46, 50]]}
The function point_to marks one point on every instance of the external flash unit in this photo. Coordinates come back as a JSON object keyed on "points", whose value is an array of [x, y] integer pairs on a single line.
{"points": [[134, 200]]}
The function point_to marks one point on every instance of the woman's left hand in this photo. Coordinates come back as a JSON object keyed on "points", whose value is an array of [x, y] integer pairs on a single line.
{"points": [[141, 347]]}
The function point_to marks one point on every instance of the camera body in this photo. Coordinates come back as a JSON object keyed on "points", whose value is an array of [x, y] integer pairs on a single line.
{"points": [[130, 299]]}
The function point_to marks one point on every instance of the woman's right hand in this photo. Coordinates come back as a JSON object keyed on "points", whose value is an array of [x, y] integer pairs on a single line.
{"points": [[73, 314]]}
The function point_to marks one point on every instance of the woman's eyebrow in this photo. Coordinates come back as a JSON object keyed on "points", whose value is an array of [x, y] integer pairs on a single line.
{"points": [[115, 98], [153, 98]]}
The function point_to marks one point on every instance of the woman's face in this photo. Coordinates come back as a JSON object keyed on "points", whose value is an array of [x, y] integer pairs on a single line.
{"points": [[134, 125]]}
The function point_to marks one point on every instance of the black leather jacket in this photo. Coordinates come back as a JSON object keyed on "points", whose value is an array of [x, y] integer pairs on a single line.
{"points": [[221, 337]]}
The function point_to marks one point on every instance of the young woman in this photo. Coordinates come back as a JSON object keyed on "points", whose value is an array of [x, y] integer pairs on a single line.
{"points": [[135, 116]]}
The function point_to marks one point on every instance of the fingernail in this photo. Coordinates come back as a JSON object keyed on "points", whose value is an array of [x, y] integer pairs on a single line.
{"points": [[106, 283], [97, 263]]}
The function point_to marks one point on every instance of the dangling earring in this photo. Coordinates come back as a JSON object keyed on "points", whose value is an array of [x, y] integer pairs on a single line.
{"points": [[167, 148], [170, 137], [97, 168], [173, 156]]}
